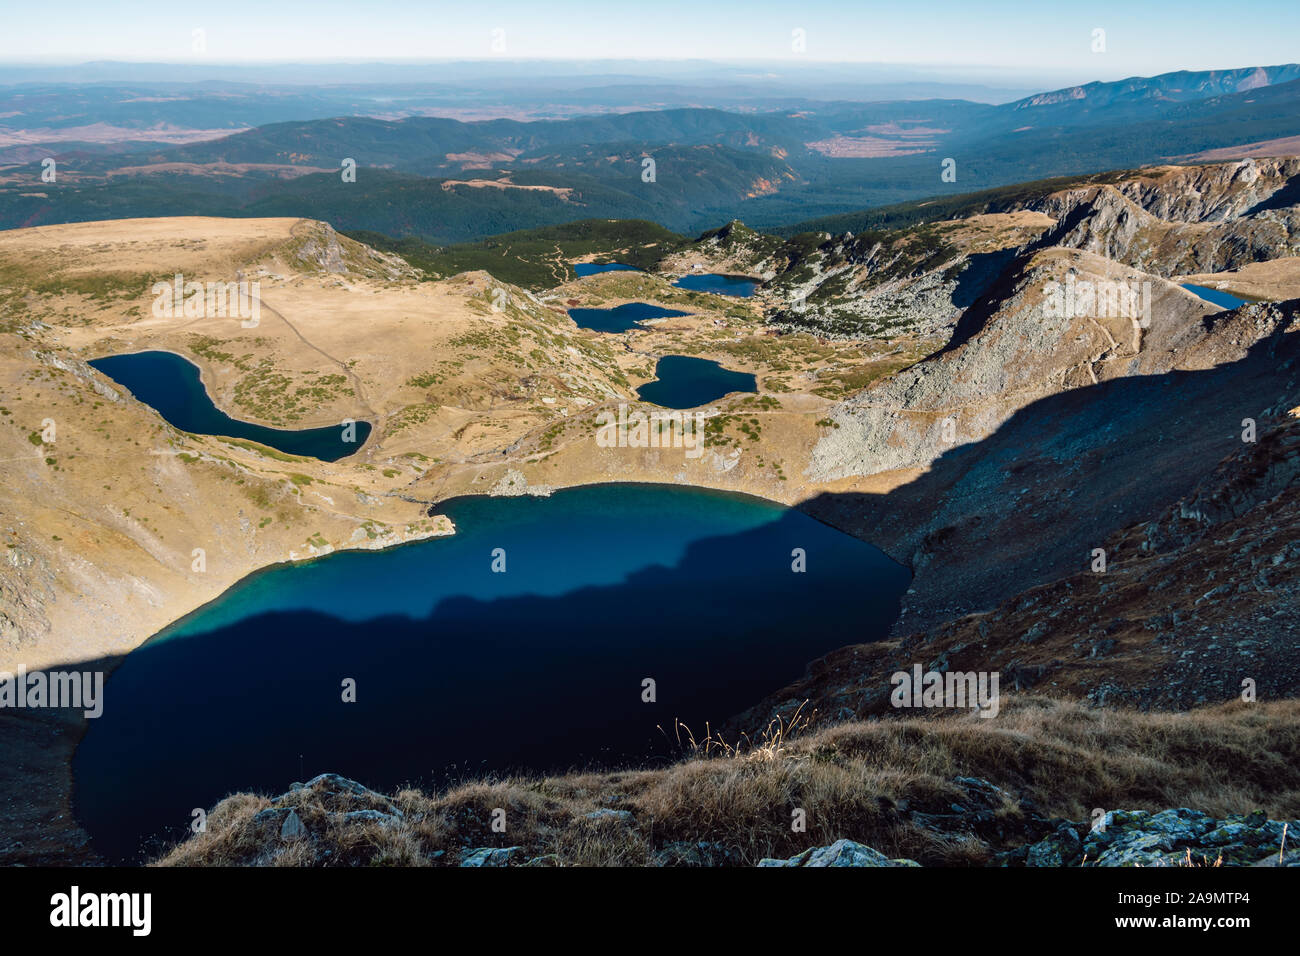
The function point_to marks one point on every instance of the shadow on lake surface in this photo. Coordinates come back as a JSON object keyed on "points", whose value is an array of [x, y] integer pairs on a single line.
{"points": [[460, 670]]}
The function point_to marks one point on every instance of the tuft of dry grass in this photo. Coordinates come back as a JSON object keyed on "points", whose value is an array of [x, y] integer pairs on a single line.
{"points": [[888, 783]]}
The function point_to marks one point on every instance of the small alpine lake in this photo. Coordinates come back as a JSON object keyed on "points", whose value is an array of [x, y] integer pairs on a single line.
{"points": [[622, 318], [583, 269], [682, 381], [172, 386], [1224, 300], [718, 284]]}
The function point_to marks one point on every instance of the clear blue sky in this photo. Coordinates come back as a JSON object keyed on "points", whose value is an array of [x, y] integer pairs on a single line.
{"points": [[1049, 35]]}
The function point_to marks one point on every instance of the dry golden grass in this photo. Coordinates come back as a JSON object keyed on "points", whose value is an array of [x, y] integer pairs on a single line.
{"points": [[859, 780], [447, 376]]}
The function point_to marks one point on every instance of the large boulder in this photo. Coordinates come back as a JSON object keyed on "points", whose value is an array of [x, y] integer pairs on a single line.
{"points": [[490, 856], [839, 853]]}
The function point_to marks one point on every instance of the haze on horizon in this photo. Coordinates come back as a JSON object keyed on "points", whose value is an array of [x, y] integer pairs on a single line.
{"points": [[996, 41]]}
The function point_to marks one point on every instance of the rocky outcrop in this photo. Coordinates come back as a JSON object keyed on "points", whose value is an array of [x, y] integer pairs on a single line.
{"points": [[514, 484], [27, 584], [334, 821], [1100, 220], [839, 853], [1016, 347], [1217, 192], [490, 856], [80, 371], [1166, 221], [1176, 837], [884, 283], [1016, 445], [317, 248], [1183, 220]]}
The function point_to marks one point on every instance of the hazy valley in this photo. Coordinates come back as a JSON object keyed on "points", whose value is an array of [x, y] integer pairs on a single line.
{"points": [[1058, 391]]}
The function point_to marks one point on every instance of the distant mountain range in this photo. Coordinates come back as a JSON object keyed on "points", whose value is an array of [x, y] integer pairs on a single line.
{"points": [[448, 180], [1182, 86]]}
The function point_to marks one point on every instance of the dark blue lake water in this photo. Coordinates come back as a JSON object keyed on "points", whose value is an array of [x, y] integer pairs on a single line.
{"points": [[582, 269], [686, 382], [1218, 297], [460, 670], [718, 284], [622, 318], [171, 384]]}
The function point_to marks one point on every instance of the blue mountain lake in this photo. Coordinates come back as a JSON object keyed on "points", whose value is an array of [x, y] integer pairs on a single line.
{"points": [[718, 284], [463, 671], [582, 269], [172, 386], [686, 382], [622, 318], [1218, 297]]}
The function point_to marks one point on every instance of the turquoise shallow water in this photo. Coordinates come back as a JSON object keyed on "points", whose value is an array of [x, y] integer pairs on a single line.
{"points": [[461, 670], [1220, 298]]}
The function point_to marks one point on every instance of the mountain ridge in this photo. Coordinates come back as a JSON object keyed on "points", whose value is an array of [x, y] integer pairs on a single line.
{"points": [[773, 168]]}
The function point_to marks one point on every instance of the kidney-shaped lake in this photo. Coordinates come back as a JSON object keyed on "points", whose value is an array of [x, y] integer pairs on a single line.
{"points": [[172, 386]]}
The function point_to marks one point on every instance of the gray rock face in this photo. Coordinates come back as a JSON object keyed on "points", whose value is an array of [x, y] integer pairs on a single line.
{"points": [[1016, 353], [1214, 193], [1175, 837], [514, 484], [80, 370], [281, 822], [319, 248], [27, 585], [345, 802], [1033, 448], [839, 853], [372, 816], [701, 853], [333, 783], [1196, 219], [292, 828], [491, 856]]}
